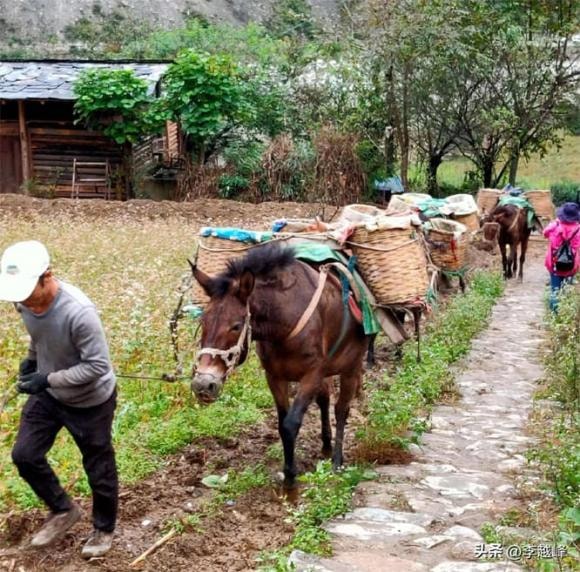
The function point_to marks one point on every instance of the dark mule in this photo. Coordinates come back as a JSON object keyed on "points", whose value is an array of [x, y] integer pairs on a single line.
{"points": [[508, 224], [270, 297]]}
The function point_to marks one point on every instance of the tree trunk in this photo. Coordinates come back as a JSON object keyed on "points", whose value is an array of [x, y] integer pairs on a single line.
{"points": [[404, 128], [389, 151], [487, 172], [514, 162], [432, 186]]}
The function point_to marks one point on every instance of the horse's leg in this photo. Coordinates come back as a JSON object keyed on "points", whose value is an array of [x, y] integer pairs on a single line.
{"points": [[371, 350], [514, 257], [349, 382], [279, 389], [504, 262], [323, 401], [462, 284], [524, 249], [309, 386]]}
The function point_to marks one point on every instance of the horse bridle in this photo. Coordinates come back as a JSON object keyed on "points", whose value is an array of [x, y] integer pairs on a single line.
{"points": [[231, 356]]}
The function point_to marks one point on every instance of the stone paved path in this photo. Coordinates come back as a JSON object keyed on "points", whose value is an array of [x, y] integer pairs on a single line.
{"points": [[426, 515]]}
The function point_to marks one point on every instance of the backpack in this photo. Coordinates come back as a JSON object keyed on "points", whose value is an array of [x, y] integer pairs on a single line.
{"points": [[564, 256]]}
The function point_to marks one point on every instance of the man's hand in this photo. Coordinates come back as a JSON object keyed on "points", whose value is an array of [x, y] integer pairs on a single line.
{"points": [[32, 383], [27, 366]]}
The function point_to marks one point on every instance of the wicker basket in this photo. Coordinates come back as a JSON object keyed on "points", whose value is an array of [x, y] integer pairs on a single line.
{"points": [[212, 258], [487, 199], [542, 203], [471, 221], [448, 241], [392, 263], [359, 213]]}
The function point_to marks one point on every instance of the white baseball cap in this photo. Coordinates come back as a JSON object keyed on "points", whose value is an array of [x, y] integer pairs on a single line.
{"points": [[21, 266]]}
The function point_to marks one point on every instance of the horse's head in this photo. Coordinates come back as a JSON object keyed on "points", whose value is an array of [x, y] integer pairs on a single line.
{"points": [[225, 331]]}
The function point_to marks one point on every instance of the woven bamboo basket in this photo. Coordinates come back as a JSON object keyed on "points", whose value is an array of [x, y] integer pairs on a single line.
{"points": [[448, 241], [487, 199], [392, 263], [542, 203], [359, 213], [471, 221], [213, 255]]}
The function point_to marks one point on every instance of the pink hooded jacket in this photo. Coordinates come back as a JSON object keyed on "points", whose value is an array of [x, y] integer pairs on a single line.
{"points": [[556, 232]]}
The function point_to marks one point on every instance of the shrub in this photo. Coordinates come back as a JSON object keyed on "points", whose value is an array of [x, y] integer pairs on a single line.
{"points": [[564, 192], [230, 186], [245, 157]]}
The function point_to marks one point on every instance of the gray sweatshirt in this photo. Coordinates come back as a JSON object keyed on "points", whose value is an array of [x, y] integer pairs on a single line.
{"points": [[69, 344]]}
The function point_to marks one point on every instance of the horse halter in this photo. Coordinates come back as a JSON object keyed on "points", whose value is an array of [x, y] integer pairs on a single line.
{"points": [[231, 356]]}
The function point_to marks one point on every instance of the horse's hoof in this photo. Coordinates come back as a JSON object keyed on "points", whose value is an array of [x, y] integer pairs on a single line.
{"points": [[290, 484]]}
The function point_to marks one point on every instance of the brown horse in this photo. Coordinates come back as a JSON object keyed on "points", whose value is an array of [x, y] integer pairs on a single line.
{"points": [[508, 224], [303, 332]]}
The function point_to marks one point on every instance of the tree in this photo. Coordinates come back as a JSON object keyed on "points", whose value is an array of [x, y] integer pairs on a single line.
{"points": [[203, 93], [526, 73]]}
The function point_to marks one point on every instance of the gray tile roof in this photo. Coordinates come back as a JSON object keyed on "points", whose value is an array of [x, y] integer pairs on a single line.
{"points": [[54, 80]]}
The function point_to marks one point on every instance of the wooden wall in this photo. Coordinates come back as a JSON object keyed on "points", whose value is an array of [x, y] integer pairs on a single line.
{"points": [[10, 157], [54, 150], [53, 142]]}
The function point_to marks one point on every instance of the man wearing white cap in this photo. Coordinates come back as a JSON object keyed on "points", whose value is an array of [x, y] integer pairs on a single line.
{"points": [[71, 383]]}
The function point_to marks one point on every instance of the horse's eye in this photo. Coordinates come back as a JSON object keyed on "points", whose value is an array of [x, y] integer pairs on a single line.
{"points": [[237, 327]]}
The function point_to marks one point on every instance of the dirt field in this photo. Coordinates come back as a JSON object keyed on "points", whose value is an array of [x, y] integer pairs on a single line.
{"points": [[232, 538]]}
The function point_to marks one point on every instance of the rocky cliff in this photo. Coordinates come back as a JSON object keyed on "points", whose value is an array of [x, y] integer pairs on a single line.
{"points": [[48, 22]]}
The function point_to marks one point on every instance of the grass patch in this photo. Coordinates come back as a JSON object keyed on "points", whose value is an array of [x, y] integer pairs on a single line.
{"points": [[558, 455], [393, 409], [557, 165]]}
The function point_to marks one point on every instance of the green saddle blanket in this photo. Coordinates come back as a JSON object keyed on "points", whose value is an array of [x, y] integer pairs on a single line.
{"points": [[313, 252], [521, 203]]}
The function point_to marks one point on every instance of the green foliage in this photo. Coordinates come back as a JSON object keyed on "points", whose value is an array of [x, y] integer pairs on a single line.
{"points": [[230, 186], [245, 157], [115, 102], [416, 385], [571, 114], [563, 360], [204, 93], [470, 185], [558, 454], [373, 162], [564, 192], [250, 44], [292, 19], [559, 458]]}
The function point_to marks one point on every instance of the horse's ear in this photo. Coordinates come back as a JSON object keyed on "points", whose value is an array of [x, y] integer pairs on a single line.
{"points": [[202, 278], [246, 288]]}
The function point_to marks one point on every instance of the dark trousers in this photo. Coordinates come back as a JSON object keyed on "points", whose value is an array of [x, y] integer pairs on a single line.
{"points": [[42, 418]]}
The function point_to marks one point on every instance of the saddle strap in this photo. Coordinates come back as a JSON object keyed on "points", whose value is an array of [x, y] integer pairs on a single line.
{"points": [[515, 221], [313, 303]]}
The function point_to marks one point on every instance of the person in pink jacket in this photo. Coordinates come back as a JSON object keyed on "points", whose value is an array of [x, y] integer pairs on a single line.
{"points": [[565, 229]]}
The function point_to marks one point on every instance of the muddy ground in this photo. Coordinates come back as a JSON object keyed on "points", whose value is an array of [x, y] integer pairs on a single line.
{"points": [[234, 536]]}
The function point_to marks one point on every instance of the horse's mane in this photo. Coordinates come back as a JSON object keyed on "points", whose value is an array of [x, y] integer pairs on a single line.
{"points": [[505, 210], [262, 262]]}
